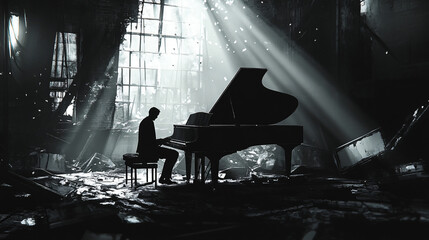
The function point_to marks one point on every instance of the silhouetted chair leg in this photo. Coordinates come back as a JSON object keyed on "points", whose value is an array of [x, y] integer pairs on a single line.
{"points": [[133, 162]]}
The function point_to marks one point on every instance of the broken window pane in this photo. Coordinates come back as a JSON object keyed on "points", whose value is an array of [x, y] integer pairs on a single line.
{"points": [[64, 66], [151, 26], [135, 59], [126, 75], [135, 43], [125, 93], [135, 76], [124, 57], [151, 10], [151, 44], [172, 14]]}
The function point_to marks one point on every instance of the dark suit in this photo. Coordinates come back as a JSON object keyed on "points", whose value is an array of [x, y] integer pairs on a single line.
{"points": [[149, 148]]}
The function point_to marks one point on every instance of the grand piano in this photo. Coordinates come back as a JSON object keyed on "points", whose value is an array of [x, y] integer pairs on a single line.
{"points": [[244, 115]]}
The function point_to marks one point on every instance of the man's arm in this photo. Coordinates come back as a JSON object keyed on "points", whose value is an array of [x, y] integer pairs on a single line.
{"points": [[161, 141]]}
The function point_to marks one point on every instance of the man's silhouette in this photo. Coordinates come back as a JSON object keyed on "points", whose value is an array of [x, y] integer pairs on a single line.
{"points": [[149, 148]]}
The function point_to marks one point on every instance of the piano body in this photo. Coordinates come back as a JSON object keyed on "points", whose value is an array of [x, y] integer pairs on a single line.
{"points": [[243, 116]]}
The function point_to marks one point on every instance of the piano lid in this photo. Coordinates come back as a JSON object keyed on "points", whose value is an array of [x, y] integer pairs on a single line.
{"points": [[247, 101]]}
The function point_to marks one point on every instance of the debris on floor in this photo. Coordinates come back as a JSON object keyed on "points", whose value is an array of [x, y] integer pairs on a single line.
{"points": [[101, 205]]}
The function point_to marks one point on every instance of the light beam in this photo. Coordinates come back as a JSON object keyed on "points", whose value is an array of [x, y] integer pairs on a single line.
{"points": [[239, 38]]}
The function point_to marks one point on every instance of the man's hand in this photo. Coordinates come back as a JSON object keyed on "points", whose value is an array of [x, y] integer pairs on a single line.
{"points": [[161, 141], [167, 139]]}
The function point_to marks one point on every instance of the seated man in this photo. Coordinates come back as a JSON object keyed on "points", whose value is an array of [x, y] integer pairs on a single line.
{"points": [[149, 147]]}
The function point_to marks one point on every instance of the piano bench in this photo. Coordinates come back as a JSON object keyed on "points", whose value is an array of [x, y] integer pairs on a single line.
{"points": [[133, 162]]}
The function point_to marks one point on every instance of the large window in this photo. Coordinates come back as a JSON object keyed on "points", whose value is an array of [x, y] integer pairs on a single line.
{"points": [[64, 68], [160, 62]]}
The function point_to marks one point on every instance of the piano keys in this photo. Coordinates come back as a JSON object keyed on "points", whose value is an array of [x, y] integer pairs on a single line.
{"points": [[244, 115]]}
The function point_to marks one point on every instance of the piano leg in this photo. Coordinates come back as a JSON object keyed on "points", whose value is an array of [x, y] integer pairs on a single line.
{"points": [[288, 157], [215, 170], [188, 161], [214, 161], [199, 163], [203, 169]]}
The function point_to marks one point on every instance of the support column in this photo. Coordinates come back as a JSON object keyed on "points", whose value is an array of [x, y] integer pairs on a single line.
{"points": [[4, 142]]}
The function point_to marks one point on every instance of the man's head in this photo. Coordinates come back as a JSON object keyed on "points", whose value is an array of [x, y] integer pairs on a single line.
{"points": [[153, 113]]}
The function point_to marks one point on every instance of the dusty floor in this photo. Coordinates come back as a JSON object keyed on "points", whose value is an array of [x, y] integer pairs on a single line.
{"points": [[101, 206]]}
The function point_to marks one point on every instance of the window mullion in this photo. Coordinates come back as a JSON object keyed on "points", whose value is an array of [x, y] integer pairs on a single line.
{"points": [[161, 19], [56, 54]]}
